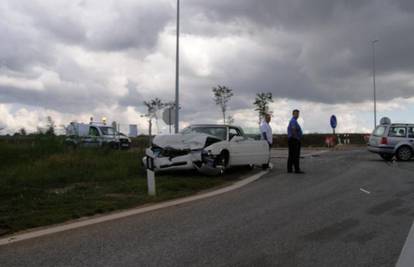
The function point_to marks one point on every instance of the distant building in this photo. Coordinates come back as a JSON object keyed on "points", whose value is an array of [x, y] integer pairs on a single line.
{"points": [[133, 130]]}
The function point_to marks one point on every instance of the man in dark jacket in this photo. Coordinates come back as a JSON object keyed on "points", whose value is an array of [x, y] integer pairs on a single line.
{"points": [[294, 140]]}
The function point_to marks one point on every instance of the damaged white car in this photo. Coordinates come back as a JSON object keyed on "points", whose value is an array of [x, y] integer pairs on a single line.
{"points": [[208, 148]]}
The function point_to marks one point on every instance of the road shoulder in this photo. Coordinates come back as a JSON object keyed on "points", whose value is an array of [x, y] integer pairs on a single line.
{"points": [[130, 212]]}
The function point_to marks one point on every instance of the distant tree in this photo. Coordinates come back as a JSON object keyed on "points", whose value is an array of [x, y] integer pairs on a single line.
{"points": [[39, 131], [230, 119], [222, 96], [50, 126], [22, 131], [153, 106], [261, 103]]}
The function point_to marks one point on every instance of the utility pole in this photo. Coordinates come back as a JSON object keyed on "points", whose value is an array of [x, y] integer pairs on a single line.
{"points": [[373, 80], [177, 72]]}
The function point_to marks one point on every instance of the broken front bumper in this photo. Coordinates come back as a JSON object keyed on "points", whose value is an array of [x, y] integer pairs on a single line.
{"points": [[164, 163], [197, 159]]}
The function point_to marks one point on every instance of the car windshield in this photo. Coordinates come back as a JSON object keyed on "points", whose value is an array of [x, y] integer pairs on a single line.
{"points": [[216, 131], [107, 130]]}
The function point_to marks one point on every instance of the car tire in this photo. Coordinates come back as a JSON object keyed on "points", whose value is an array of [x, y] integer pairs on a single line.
{"points": [[223, 160], [386, 157], [404, 153]]}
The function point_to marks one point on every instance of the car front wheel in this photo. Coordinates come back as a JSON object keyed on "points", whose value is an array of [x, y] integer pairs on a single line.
{"points": [[404, 153], [222, 161]]}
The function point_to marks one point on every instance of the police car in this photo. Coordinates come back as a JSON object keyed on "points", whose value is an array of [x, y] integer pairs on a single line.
{"points": [[95, 135]]}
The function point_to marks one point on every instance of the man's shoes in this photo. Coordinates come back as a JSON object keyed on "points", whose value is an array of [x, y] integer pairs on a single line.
{"points": [[300, 172], [289, 171]]}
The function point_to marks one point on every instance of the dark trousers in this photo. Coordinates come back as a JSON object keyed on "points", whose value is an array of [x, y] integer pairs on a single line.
{"points": [[294, 154]]}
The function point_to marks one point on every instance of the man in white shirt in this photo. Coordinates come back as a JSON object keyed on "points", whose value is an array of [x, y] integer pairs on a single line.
{"points": [[266, 134], [266, 130]]}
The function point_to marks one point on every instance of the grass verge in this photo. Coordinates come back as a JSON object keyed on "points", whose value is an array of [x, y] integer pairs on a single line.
{"points": [[42, 184]]}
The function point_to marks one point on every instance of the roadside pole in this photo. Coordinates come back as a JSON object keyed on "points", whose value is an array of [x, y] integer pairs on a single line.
{"points": [[151, 177], [334, 123]]}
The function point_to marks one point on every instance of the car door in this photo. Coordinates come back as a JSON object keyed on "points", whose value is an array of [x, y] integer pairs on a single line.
{"points": [[411, 136], [93, 139], [396, 135], [246, 151], [238, 147]]}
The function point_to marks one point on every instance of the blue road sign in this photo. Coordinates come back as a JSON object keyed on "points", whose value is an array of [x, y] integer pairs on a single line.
{"points": [[334, 122]]}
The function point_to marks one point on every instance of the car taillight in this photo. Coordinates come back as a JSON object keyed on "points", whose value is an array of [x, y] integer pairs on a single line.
{"points": [[384, 141]]}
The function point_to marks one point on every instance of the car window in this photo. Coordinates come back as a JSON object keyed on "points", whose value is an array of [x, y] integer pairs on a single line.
{"points": [[398, 132], [107, 130], [186, 130], [411, 132], [219, 132], [379, 131], [234, 132], [93, 131]]}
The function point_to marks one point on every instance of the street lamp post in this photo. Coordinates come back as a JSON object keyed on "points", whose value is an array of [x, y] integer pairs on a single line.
{"points": [[177, 72], [373, 80]]}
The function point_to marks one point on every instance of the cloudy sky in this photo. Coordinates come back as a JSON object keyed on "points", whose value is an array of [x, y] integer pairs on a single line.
{"points": [[75, 59]]}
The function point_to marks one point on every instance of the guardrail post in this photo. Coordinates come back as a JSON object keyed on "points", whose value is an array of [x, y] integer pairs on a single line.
{"points": [[151, 177]]}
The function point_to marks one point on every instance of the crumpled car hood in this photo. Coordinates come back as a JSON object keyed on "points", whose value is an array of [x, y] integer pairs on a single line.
{"points": [[184, 141]]}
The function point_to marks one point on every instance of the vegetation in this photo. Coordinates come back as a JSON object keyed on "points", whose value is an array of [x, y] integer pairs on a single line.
{"points": [[153, 106], [261, 103], [42, 183], [222, 96]]}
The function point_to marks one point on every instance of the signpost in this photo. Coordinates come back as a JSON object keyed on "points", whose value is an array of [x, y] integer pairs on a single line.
{"points": [[168, 116], [334, 123]]}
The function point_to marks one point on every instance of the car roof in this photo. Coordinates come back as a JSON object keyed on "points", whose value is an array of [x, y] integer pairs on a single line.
{"points": [[401, 124], [213, 125]]}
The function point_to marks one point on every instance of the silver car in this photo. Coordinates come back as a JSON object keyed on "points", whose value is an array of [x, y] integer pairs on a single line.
{"points": [[393, 139]]}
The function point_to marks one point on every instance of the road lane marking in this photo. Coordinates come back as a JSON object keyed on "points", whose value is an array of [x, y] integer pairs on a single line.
{"points": [[365, 191], [123, 214]]}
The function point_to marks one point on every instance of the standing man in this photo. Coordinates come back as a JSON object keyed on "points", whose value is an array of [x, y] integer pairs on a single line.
{"points": [[294, 137], [266, 130], [266, 134]]}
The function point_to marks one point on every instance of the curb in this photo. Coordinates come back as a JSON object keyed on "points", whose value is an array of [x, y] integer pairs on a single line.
{"points": [[123, 214], [406, 258]]}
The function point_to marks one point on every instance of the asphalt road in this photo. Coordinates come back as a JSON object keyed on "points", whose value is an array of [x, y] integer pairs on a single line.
{"points": [[322, 218]]}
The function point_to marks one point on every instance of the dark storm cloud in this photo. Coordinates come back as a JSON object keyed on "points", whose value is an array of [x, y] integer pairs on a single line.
{"points": [[35, 34], [334, 62], [133, 98], [292, 15], [109, 26], [63, 100], [306, 50]]}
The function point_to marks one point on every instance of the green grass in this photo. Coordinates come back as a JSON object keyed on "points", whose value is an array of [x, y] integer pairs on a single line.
{"points": [[41, 183]]}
